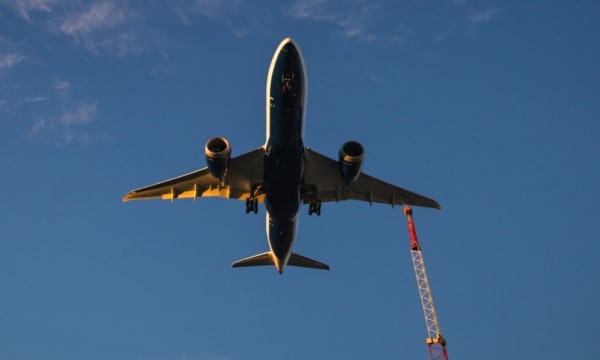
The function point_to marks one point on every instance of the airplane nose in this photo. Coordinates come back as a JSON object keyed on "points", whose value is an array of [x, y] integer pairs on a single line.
{"points": [[287, 42], [289, 46]]}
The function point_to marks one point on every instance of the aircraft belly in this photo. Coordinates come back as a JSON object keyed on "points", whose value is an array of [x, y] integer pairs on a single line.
{"points": [[281, 235], [282, 178], [284, 148]]}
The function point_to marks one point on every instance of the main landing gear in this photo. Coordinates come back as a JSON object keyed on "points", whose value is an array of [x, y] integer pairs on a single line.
{"points": [[314, 207], [251, 205]]}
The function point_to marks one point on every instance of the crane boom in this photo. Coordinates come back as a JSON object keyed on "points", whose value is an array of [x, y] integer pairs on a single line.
{"points": [[435, 341]]}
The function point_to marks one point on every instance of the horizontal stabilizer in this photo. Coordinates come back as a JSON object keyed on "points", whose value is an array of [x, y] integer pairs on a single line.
{"points": [[266, 258], [257, 260], [303, 261]]}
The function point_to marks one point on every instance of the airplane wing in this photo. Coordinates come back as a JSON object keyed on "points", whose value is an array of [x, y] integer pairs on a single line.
{"points": [[324, 183], [244, 174]]}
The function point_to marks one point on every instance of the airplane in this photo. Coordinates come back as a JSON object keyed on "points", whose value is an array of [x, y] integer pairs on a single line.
{"points": [[283, 173]]}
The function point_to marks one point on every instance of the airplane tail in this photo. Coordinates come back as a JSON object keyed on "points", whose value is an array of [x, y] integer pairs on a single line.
{"points": [[257, 260], [267, 258], [303, 261]]}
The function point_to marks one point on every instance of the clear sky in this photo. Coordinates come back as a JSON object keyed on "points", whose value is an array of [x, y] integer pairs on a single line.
{"points": [[490, 107]]}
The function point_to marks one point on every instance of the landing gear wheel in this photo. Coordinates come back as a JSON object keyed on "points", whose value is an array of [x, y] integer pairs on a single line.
{"points": [[251, 205], [314, 207]]}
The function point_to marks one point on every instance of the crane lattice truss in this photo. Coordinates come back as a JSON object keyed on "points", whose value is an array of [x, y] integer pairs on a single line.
{"points": [[435, 341]]}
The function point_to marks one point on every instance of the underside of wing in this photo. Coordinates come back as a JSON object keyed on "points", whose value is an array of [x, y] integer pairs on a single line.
{"points": [[244, 178], [323, 182]]}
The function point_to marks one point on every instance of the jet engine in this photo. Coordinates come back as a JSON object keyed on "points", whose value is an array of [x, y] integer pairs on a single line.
{"points": [[218, 156], [351, 157]]}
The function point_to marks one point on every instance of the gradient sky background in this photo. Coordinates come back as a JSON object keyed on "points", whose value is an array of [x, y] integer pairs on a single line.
{"points": [[490, 107]]}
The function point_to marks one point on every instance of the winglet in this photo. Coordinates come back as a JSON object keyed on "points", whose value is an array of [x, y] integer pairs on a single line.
{"points": [[129, 196]]}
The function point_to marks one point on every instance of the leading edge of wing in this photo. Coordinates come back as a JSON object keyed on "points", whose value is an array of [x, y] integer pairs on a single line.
{"points": [[322, 178], [244, 176]]}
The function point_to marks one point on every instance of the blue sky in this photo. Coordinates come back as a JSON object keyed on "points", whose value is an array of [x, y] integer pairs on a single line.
{"points": [[489, 107]]}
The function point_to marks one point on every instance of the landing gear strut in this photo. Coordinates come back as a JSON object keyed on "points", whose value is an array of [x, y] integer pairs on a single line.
{"points": [[251, 205], [314, 207]]}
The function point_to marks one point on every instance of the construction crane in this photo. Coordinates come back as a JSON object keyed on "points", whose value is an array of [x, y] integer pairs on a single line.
{"points": [[435, 341]]}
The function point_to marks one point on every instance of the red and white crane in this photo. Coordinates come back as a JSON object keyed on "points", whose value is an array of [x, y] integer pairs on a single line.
{"points": [[436, 343]]}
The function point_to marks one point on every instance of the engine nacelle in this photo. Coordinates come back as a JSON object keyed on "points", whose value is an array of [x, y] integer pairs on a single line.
{"points": [[218, 156], [351, 157]]}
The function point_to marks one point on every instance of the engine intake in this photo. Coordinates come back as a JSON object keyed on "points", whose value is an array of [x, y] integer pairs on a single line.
{"points": [[351, 157], [218, 156]]}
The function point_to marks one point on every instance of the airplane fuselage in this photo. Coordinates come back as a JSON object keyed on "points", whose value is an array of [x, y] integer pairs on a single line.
{"points": [[284, 155]]}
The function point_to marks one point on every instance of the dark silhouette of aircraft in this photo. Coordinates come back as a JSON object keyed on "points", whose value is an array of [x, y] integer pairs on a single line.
{"points": [[282, 173]]}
